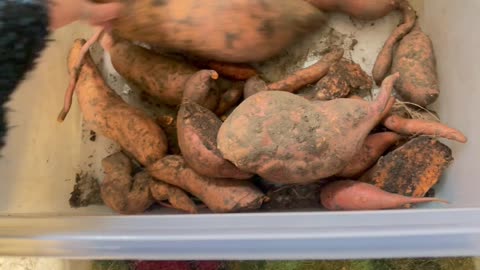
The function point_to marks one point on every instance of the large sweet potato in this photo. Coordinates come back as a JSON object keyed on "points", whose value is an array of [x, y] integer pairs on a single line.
{"points": [[287, 139], [415, 60], [107, 114], [229, 31]]}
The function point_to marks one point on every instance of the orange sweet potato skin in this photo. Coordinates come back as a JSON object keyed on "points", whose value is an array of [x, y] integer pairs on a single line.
{"points": [[412, 169], [107, 114], [220, 195], [160, 76], [414, 59], [236, 31]]}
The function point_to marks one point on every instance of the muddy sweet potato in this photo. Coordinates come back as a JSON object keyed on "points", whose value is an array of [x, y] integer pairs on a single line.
{"points": [[161, 76], [107, 114], [384, 59], [233, 71], [360, 9], [200, 88], [351, 195], [285, 138], [236, 31], [344, 77], [411, 169], [374, 147], [168, 123], [176, 197], [297, 80], [122, 192], [197, 129], [414, 59], [219, 195], [422, 127]]}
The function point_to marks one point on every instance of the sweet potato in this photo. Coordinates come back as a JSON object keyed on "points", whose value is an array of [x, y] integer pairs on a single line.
{"points": [[296, 80], [197, 130], [351, 195], [178, 198], [220, 195], [122, 192], [383, 62], [415, 60], [422, 127], [285, 138], [230, 98], [374, 147], [236, 31], [107, 114], [412, 169], [234, 71], [168, 122], [199, 88], [344, 77], [162, 77]]}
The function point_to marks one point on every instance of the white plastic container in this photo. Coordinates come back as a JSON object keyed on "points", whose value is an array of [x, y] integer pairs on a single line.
{"points": [[41, 158]]}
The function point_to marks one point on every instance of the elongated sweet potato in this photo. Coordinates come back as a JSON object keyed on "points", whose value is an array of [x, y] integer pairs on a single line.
{"points": [[220, 195], [374, 147], [199, 88], [296, 80], [160, 76], [384, 59], [412, 169], [178, 198], [422, 127], [343, 77], [107, 114], [237, 31], [351, 195], [285, 138], [122, 192], [197, 129], [414, 59]]}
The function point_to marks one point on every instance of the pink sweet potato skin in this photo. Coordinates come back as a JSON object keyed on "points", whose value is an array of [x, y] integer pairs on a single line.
{"points": [[414, 59], [352, 195], [287, 139], [197, 137], [237, 31]]}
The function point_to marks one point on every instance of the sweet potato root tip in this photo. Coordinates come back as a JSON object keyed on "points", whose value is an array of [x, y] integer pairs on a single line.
{"points": [[74, 73], [121, 192], [385, 57], [374, 147], [423, 127], [299, 79], [351, 195], [233, 71], [412, 169], [220, 195]]}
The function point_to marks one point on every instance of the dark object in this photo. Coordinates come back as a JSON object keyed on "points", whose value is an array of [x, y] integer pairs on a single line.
{"points": [[294, 197], [23, 35], [85, 192], [93, 136]]}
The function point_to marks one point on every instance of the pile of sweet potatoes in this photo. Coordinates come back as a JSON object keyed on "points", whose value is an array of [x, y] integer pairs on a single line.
{"points": [[234, 136]]}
